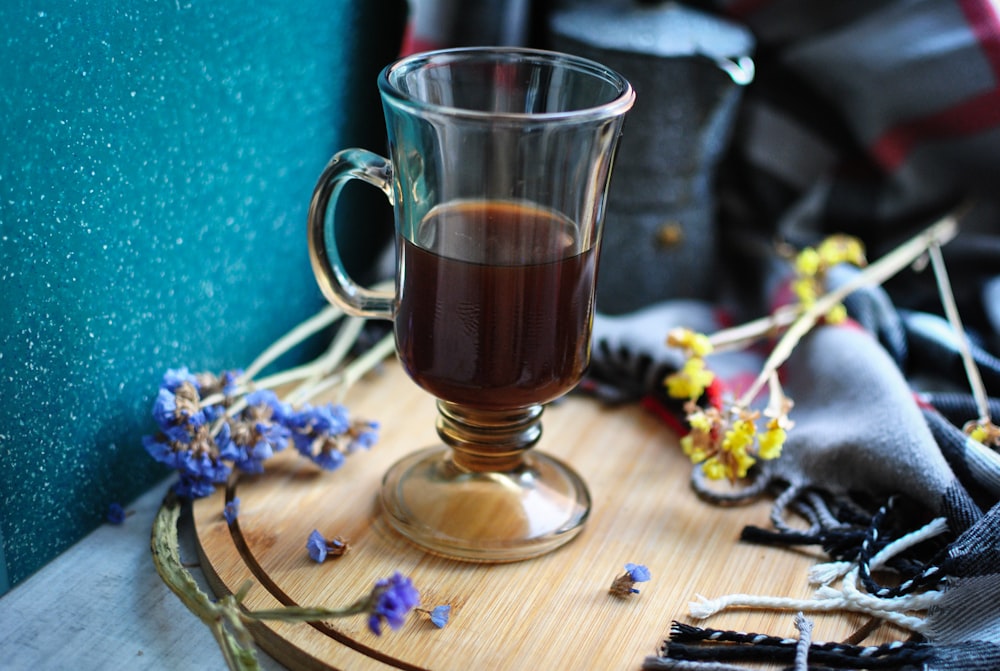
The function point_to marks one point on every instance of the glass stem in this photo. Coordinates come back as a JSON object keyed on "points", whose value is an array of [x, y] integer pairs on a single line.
{"points": [[485, 441]]}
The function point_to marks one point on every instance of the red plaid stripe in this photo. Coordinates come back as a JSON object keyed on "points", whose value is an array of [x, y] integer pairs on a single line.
{"points": [[969, 117]]}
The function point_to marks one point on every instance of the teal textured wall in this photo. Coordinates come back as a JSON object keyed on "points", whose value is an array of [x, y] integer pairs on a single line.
{"points": [[157, 162]]}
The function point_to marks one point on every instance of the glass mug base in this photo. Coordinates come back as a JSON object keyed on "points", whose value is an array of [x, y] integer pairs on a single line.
{"points": [[496, 516]]}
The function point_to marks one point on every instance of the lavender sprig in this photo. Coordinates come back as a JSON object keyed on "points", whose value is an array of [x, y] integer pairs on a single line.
{"points": [[210, 426]]}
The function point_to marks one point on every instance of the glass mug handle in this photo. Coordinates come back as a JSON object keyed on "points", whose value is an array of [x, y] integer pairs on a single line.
{"points": [[337, 286]]}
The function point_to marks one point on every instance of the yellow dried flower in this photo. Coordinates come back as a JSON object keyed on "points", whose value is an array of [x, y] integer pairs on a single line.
{"points": [[807, 262], [841, 249], [714, 469], [742, 462], [699, 421], [690, 381], [813, 264], [837, 314], [697, 344], [985, 432], [772, 440], [727, 443], [697, 444], [805, 290], [739, 437], [736, 445], [693, 448]]}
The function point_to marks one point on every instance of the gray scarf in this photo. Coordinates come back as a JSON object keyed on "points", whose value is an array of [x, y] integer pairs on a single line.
{"points": [[875, 463]]}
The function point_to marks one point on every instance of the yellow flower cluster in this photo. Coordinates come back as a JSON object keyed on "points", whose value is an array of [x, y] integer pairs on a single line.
{"points": [[727, 444], [693, 378], [813, 263]]}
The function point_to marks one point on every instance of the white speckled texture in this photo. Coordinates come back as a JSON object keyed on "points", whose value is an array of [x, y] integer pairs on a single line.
{"points": [[157, 162]]}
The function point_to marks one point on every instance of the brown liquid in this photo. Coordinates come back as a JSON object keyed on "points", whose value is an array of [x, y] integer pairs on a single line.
{"points": [[496, 305]]}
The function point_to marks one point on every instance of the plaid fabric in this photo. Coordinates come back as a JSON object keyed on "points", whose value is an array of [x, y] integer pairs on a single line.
{"points": [[872, 115]]}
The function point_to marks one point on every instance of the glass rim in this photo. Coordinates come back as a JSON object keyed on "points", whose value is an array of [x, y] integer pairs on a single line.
{"points": [[611, 108]]}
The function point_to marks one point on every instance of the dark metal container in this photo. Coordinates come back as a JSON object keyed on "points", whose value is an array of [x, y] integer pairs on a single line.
{"points": [[688, 69]]}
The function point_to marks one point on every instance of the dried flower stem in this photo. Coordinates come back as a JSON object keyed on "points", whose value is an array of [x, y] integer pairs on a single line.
{"points": [[736, 337], [306, 614], [875, 274], [315, 369], [235, 643], [346, 336], [314, 324], [355, 370], [951, 312], [226, 618], [313, 377]]}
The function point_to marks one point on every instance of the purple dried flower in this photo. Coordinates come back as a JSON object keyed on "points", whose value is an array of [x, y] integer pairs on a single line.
{"points": [[199, 467], [116, 513], [364, 434], [325, 434], [229, 380], [637, 572], [192, 487], [316, 545], [329, 460], [392, 600], [624, 585], [253, 437], [232, 510], [177, 412], [160, 449], [174, 377], [320, 548], [205, 442], [440, 616], [203, 465]]}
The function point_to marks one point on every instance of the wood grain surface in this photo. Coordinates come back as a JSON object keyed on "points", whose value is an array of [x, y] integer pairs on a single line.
{"points": [[553, 612]]}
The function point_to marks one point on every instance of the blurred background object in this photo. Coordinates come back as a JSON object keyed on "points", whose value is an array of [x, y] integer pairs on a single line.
{"points": [[688, 69], [435, 24]]}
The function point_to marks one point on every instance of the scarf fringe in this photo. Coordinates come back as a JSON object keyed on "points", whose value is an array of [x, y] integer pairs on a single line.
{"points": [[870, 549], [824, 574], [693, 648], [858, 592]]}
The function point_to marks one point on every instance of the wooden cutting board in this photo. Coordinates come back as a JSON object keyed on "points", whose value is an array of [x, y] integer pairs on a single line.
{"points": [[553, 612]]}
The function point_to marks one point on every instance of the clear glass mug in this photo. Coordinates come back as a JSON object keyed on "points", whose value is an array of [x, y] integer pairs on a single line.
{"points": [[498, 171]]}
